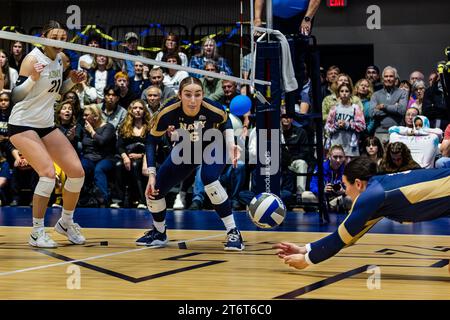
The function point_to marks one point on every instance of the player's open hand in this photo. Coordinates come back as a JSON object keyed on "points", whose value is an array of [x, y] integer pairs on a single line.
{"points": [[151, 192], [77, 76], [36, 71], [286, 248], [297, 261]]}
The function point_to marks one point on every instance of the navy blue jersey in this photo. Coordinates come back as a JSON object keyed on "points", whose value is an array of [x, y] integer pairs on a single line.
{"points": [[410, 196], [211, 116]]}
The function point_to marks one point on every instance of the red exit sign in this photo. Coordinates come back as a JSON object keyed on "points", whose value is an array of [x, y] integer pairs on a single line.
{"points": [[337, 3]]}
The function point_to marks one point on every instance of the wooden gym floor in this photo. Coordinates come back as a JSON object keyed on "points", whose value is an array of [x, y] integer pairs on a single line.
{"points": [[411, 261]]}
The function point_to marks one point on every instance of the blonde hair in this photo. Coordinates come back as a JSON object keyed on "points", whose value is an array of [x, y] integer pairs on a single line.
{"points": [[108, 66], [358, 83], [97, 112], [126, 129]]}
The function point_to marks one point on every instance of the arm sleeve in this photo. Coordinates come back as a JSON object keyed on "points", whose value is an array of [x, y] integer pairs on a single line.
{"points": [[375, 113], [22, 88], [357, 223], [121, 145], [150, 150]]}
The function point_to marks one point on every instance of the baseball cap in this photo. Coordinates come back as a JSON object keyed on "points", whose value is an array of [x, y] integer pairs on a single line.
{"points": [[131, 35], [374, 67]]}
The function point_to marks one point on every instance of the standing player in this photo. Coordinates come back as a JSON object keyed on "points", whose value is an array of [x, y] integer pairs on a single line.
{"points": [[32, 130], [409, 196], [192, 115]]}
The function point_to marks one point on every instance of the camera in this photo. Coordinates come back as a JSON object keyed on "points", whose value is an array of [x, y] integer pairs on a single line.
{"points": [[337, 187]]}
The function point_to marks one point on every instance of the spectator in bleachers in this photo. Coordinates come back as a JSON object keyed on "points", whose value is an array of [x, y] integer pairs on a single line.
{"points": [[372, 148], [433, 78], [416, 75], [434, 106], [444, 162], [209, 51], [230, 91], [421, 140], [8, 75], [333, 169], [156, 79], [98, 140], [126, 96], [73, 98], [407, 87], [86, 60], [212, 86], [131, 44], [373, 75], [364, 91], [397, 158], [86, 94], [153, 97], [295, 140], [5, 110], [17, 55], [102, 75], [171, 46], [418, 90], [345, 122], [173, 77], [131, 148], [331, 77], [388, 105], [410, 114], [333, 99], [5, 177], [66, 121], [111, 111], [140, 81], [24, 178]]}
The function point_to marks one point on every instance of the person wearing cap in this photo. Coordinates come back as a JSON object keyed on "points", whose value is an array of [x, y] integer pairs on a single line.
{"points": [[373, 75], [131, 43]]}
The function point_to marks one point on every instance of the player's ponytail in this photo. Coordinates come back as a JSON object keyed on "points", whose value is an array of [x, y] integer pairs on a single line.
{"points": [[362, 168]]}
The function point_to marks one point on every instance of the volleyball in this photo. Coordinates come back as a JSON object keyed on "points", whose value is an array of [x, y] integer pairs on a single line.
{"points": [[267, 210]]}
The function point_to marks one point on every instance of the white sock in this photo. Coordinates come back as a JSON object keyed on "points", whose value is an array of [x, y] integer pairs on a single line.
{"points": [[229, 223], [160, 226], [67, 216], [38, 224]]}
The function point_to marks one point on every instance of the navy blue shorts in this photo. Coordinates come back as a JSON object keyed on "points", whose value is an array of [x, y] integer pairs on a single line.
{"points": [[42, 132]]}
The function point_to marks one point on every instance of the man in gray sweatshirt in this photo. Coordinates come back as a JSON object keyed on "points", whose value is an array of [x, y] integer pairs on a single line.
{"points": [[388, 105]]}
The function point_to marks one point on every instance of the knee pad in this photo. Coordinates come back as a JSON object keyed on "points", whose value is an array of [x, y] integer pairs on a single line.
{"points": [[216, 193], [155, 206], [45, 187], [74, 185]]}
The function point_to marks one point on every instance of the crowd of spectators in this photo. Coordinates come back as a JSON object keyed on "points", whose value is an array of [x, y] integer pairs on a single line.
{"points": [[397, 123]]}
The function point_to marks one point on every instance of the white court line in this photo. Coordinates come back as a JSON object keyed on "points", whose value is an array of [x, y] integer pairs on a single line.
{"points": [[100, 256]]}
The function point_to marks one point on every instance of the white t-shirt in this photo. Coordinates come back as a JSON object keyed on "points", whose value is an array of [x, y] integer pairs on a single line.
{"points": [[174, 82], [37, 108], [100, 82]]}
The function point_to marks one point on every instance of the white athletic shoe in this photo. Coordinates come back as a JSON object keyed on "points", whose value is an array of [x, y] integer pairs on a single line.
{"points": [[41, 239], [180, 201], [72, 232]]}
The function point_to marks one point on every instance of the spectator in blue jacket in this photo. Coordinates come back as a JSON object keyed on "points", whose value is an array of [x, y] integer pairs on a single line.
{"points": [[333, 169]]}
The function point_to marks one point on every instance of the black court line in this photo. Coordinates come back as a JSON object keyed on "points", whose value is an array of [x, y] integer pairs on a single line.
{"points": [[345, 275], [134, 279], [389, 251], [326, 282]]}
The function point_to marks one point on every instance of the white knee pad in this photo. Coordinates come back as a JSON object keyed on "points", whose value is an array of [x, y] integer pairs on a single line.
{"points": [[74, 185], [155, 206], [216, 193], [45, 187]]}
